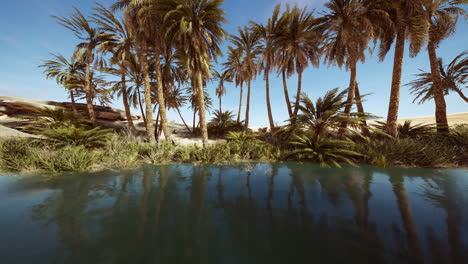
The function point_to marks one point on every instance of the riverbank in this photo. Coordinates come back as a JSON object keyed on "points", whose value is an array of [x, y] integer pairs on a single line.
{"points": [[26, 155]]}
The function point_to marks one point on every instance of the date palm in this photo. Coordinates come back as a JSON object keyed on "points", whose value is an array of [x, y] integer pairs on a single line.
{"points": [[64, 71], [442, 16], [453, 78], [145, 19], [221, 78], [248, 42], [90, 38], [408, 23], [348, 31], [299, 45], [119, 46], [195, 26], [268, 34], [233, 66]]}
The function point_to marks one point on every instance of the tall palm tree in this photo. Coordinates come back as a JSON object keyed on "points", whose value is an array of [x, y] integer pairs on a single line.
{"points": [[453, 76], [91, 38], [268, 34], [221, 78], [348, 31], [299, 43], [145, 19], [233, 66], [195, 25], [120, 46], [408, 22], [442, 16], [249, 43], [64, 71]]}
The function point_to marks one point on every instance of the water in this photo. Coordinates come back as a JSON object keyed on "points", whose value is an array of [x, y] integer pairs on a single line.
{"points": [[247, 213]]}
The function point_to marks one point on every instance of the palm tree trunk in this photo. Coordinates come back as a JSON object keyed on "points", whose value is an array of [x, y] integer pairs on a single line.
{"points": [[140, 103], [270, 115], [194, 119], [128, 112], [455, 88], [240, 102], [394, 104], [160, 92], [148, 104], [298, 95], [156, 124], [349, 100], [201, 108], [220, 103], [439, 99], [286, 94], [247, 110], [73, 104], [183, 120], [360, 108], [89, 100]]}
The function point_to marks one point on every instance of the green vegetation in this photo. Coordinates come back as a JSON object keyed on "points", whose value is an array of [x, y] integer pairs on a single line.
{"points": [[163, 58], [316, 136]]}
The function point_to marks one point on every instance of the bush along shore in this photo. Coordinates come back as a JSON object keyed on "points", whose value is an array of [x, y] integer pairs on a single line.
{"points": [[67, 142]]}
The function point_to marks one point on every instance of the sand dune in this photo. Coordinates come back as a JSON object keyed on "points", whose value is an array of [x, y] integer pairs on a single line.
{"points": [[453, 119]]}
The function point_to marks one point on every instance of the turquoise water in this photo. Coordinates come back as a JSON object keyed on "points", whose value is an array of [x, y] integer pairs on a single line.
{"points": [[246, 213]]}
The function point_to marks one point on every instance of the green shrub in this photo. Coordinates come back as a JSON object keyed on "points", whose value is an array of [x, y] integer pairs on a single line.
{"points": [[76, 136], [222, 123], [405, 151], [68, 158], [325, 151], [17, 154]]}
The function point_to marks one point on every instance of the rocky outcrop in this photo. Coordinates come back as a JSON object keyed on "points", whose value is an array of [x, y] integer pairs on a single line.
{"points": [[16, 106]]}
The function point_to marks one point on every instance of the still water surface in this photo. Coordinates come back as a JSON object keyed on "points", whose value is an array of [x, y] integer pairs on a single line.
{"points": [[246, 213]]}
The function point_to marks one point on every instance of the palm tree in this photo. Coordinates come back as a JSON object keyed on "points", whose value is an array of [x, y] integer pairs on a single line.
{"points": [[195, 25], [145, 19], [442, 16], [248, 42], [221, 89], [408, 22], [91, 38], [268, 34], [120, 46], [233, 66], [64, 71], [453, 76], [348, 31], [299, 44]]}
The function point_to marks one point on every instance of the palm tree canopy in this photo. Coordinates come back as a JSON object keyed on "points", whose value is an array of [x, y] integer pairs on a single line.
{"points": [[443, 16], [348, 31], [454, 78], [299, 40], [62, 69], [221, 78], [90, 36], [196, 25], [248, 43], [405, 14]]}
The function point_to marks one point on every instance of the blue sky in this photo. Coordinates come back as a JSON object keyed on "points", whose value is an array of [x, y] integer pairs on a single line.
{"points": [[28, 34]]}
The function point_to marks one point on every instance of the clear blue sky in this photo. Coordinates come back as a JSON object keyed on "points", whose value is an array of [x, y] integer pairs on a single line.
{"points": [[28, 33]]}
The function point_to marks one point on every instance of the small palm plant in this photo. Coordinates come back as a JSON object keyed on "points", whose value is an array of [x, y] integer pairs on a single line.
{"points": [[328, 113], [76, 136], [222, 123], [407, 129], [53, 118], [325, 151]]}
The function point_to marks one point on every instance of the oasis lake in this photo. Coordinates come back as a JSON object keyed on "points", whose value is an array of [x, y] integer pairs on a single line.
{"points": [[241, 213]]}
